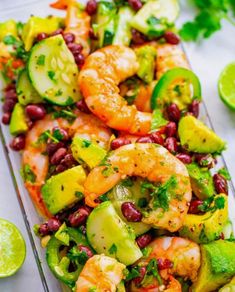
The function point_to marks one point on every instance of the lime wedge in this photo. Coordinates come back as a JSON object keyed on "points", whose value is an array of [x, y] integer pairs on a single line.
{"points": [[226, 85], [12, 249]]}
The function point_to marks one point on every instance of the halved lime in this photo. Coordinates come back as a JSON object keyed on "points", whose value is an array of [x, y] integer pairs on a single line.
{"points": [[226, 85], [12, 249]]}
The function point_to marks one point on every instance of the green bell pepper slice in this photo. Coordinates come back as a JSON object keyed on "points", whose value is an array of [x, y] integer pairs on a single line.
{"points": [[175, 87], [58, 264]]}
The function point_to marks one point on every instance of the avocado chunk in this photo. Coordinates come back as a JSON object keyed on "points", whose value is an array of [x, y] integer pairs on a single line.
{"points": [[64, 189], [18, 122], [217, 267], [108, 234], [197, 137], [129, 191], [155, 17], [201, 181], [207, 227], [25, 91], [8, 28], [36, 25], [146, 58], [230, 287], [86, 151]]}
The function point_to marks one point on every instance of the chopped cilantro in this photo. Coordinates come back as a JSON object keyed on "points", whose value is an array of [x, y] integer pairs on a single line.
{"points": [[43, 138], [58, 135], [212, 204], [41, 60], [10, 40], [113, 249], [127, 182], [19, 51], [27, 174], [59, 92], [79, 195], [224, 172], [142, 203], [132, 274], [51, 75], [152, 20], [76, 255], [146, 251], [152, 269], [86, 143], [66, 114], [104, 198]]}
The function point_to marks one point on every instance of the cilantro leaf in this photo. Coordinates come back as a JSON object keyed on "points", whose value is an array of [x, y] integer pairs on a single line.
{"points": [[212, 204], [152, 269], [113, 249], [132, 274], [27, 174]]}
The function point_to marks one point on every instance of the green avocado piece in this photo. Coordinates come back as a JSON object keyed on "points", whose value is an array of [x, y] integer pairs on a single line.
{"points": [[8, 28], [146, 58], [207, 227], [201, 181], [25, 91], [86, 151], [108, 234], [197, 137], [18, 122], [155, 17], [217, 267], [64, 189], [129, 191], [36, 25], [230, 287]]}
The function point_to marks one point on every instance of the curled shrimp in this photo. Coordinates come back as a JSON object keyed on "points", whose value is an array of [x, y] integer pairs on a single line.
{"points": [[101, 273], [77, 21], [150, 161], [185, 257], [98, 81], [34, 158]]}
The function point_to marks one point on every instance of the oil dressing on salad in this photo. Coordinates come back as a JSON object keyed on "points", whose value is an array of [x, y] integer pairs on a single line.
{"points": [[103, 108]]}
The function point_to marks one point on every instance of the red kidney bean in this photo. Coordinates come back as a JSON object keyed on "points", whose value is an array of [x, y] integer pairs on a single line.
{"points": [[60, 168], [194, 108], [58, 156], [85, 249], [185, 158], [193, 208], [92, 34], [43, 229], [116, 143], [164, 264], [52, 147], [82, 106], [171, 144], [69, 37], [10, 86], [68, 160], [35, 111], [91, 7], [62, 132], [173, 112], [53, 224], [205, 160], [144, 240], [137, 37], [79, 217], [10, 94], [145, 139], [41, 36], [56, 32], [75, 48], [171, 129], [130, 212], [18, 143], [171, 38], [79, 59], [8, 105], [138, 280], [157, 138], [135, 4], [6, 117], [220, 183]]}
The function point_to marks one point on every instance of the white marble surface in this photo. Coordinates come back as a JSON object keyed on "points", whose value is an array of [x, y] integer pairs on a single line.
{"points": [[207, 58]]}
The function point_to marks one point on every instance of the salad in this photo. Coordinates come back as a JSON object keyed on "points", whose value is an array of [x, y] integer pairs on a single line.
{"points": [[103, 108]]}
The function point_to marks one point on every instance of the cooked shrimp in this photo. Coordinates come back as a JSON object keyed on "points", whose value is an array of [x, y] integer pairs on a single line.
{"points": [[169, 57], [150, 161], [101, 273], [77, 21], [86, 126], [98, 82]]}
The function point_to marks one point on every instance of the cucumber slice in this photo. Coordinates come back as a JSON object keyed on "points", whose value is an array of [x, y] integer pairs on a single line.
{"points": [[131, 193], [53, 71], [25, 91], [123, 28], [155, 17], [105, 24], [108, 234]]}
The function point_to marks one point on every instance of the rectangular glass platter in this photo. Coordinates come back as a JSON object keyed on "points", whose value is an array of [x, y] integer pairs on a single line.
{"points": [[22, 12]]}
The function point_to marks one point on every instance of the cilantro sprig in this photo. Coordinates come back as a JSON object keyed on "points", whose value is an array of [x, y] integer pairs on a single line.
{"points": [[209, 19], [219, 203]]}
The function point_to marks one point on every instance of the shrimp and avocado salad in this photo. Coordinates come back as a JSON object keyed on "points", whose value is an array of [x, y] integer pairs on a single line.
{"points": [[103, 107]]}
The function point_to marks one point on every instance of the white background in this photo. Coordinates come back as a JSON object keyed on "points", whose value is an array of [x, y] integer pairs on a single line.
{"points": [[207, 58]]}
